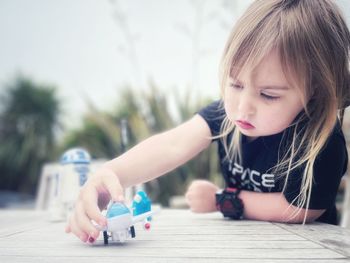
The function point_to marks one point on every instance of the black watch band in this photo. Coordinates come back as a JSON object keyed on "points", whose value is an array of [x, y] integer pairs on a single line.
{"points": [[229, 204]]}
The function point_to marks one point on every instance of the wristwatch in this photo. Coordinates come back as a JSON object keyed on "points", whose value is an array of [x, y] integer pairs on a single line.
{"points": [[229, 204]]}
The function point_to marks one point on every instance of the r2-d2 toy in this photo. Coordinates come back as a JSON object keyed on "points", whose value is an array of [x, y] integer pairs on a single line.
{"points": [[73, 173]]}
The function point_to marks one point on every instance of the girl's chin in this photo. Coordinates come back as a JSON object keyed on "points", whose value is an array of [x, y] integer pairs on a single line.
{"points": [[255, 134], [248, 133]]}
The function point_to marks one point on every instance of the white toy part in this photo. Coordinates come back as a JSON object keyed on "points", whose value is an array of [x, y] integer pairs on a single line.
{"points": [[120, 222], [118, 226], [73, 172], [144, 218], [120, 236]]}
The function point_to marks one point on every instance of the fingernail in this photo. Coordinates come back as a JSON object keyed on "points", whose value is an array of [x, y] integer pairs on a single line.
{"points": [[91, 240]]}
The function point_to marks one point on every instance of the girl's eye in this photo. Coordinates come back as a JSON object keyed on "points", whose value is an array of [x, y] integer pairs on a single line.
{"points": [[269, 97], [236, 86]]}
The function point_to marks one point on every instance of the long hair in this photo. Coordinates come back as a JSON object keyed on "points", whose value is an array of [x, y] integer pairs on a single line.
{"points": [[313, 43]]}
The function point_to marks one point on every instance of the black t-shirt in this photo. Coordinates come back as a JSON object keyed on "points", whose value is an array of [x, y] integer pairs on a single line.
{"points": [[254, 172]]}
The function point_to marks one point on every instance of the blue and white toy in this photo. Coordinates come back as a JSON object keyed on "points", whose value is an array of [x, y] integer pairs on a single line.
{"points": [[77, 159], [141, 203], [74, 170], [121, 219]]}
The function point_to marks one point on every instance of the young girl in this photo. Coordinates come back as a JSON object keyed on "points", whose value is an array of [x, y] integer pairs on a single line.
{"points": [[285, 82]]}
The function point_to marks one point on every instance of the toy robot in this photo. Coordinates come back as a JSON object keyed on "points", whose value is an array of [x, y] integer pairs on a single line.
{"points": [[121, 219]]}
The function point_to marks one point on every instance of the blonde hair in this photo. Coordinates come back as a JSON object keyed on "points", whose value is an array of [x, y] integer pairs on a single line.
{"points": [[313, 43]]}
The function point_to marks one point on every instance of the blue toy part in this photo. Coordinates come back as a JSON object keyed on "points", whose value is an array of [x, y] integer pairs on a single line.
{"points": [[75, 156], [117, 209], [141, 203], [83, 171]]}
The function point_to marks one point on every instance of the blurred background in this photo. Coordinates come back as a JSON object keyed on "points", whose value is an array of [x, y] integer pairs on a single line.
{"points": [[72, 70]]}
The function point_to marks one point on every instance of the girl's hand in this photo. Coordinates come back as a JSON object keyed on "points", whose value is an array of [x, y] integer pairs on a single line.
{"points": [[200, 196], [94, 196]]}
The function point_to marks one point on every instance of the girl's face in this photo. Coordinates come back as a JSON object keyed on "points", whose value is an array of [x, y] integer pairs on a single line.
{"points": [[261, 102]]}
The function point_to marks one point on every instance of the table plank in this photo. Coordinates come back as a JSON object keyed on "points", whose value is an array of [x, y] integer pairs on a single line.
{"points": [[175, 235], [131, 259], [329, 236], [14, 221]]}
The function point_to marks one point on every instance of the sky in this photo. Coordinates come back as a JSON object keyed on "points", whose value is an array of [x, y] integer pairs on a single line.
{"points": [[94, 48]]}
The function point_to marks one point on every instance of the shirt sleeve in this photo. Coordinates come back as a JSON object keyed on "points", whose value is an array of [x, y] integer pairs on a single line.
{"points": [[329, 167], [213, 114]]}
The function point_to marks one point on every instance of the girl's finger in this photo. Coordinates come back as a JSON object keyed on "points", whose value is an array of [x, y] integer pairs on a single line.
{"points": [[67, 229], [85, 223], [76, 230], [90, 207], [112, 184]]}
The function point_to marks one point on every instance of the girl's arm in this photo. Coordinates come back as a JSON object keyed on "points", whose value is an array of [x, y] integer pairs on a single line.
{"points": [[274, 207], [161, 153], [151, 158]]}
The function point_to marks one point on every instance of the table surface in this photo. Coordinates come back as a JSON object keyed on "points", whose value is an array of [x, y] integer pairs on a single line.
{"points": [[175, 235]]}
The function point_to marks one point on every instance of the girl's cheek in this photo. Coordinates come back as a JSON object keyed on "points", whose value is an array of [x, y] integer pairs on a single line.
{"points": [[230, 109]]}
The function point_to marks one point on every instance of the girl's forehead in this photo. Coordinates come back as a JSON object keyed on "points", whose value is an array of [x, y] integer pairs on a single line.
{"points": [[268, 69]]}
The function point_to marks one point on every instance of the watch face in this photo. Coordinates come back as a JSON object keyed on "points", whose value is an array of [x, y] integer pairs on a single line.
{"points": [[227, 206], [230, 205]]}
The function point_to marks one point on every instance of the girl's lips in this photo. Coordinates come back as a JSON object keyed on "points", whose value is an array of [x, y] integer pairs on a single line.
{"points": [[244, 125]]}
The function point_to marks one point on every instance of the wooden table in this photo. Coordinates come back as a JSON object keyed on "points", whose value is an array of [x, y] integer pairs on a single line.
{"points": [[176, 236]]}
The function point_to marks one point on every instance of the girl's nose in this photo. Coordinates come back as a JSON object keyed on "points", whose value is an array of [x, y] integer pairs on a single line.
{"points": [[246, 105]]}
